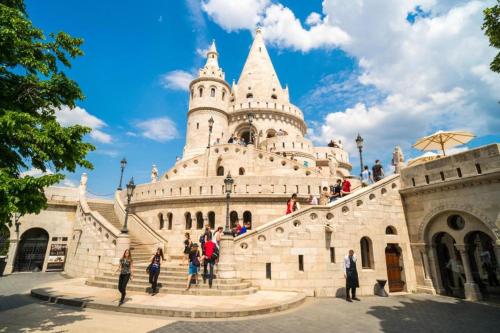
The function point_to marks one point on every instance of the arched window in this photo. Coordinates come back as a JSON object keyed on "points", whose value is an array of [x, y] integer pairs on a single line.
{"points": [[247, 218], [390, 230], [170, 218], [233, 217], [211, 220], [192, 93], [249, 95], [273, 96], [212, 92], [200, 90], [241, 172], [161, 221], [223, 94], [199, 220], [220, 171], [189, 221], [366, 253]]}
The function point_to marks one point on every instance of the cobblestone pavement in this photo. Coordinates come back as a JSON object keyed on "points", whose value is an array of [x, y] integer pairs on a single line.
{"points": [[411, 313]]}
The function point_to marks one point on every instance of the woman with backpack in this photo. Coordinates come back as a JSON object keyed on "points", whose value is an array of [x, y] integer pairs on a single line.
{"points": [[154, 270], [125, 269], [194, 265]]}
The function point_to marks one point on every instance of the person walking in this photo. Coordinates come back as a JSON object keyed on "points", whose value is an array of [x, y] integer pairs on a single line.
{"points": [[187, 247], [218, 235], [377, 171], [337, 189], [211, 254], [366, 177], [154, 270], [346, 187], [291, 205], [351, 276], [125, 269], [194, 265]]}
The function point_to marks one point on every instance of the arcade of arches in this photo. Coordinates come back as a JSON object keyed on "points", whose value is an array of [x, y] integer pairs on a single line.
{"points": [[210, 219], [460, 256]]}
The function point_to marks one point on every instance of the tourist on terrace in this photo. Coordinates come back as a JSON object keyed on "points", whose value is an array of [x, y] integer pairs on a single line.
{"points": [[218, 235], [325, 196], [346, 187], [336, 191], [245, 228], [194, 265], [211, 255], [292, 205], [238, 227], [378, 171], [351, 276], [366, 177], [125, 269], [187, 247], [312, 200], [154, 270]]}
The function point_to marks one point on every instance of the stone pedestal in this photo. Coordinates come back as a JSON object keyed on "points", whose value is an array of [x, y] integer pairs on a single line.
{"points": [[472, 292], [226, 265], [11, 256], [122, 244]]}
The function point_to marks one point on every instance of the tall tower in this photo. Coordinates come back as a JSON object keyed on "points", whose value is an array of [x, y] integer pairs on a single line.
{"points": [[209, 96]]}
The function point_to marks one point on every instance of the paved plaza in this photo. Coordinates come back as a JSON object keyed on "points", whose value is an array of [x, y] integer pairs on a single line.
{"points": [[409, 313]]}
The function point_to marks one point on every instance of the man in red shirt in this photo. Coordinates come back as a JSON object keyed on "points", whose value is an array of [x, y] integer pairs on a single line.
{"points": [[209, 260], [346, 187]]}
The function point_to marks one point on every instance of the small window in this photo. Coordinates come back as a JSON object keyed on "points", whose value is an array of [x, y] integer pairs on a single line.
{"points": [[200, 91], [192, 93], [170, 218], [161, 221], [478, 169], [413, 181], [442, 175], [301, 262], [332, 255], [366, 253], [459, 173], [390, 230], [189, 221], [54, 239], [427, 179], [65, 239], [249, 95], [456, 222], [273, 96], [212, 92], [197, 125], [268, 270], [223, 94], [241, 172], [220, 171]]}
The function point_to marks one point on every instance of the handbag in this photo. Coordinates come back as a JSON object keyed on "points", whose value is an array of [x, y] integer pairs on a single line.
{"points": [[148, 269]]}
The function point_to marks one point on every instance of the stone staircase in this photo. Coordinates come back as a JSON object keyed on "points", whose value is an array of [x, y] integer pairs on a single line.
{"points": [[141, 252]]}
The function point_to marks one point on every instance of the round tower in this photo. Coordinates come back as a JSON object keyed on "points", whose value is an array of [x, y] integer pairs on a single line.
{"points": [[209, 96]]}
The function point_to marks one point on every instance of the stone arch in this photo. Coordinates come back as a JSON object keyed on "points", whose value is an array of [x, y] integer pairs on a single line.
{"points": [[247, 217], [199, 220], [366, 253], [233, 218], [170, 218], [31, 250], [161, 221], [458, 208], [211, 220], [212, 91], [391, 230], [200, 91], [271, 133], [189, 220]]}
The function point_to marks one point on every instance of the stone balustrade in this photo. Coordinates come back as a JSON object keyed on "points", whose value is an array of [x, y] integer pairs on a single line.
{"points": [[270, 105]]}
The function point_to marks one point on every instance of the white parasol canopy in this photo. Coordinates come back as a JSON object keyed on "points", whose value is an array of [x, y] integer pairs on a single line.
{"points": [[442, 140]]}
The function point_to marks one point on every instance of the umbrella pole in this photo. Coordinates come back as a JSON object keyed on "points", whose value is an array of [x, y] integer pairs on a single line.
{"points": [[442, 147]]}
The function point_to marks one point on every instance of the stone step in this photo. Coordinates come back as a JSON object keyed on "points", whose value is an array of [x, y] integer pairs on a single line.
{"points": [[176, 284], [175, 278], [179, 291]]}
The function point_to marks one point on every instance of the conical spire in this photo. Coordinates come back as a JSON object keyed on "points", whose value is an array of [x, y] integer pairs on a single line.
{"points": [[211, 68], [258, 80]]}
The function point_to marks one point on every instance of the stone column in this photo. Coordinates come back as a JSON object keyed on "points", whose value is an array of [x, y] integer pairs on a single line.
{"points": [[122, 244], [11, 256], [226, 265], [434, 269], [472, 291], [425, 249]]}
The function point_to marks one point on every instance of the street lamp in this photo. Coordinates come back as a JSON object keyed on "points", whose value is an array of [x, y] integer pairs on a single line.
{"points": [[123, 164], [228, 181], [359, 143], [210, 127], [250, 120], [17, 216], [130, 193]]}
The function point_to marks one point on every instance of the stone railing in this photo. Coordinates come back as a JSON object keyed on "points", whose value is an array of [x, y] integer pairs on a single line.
{"points": [[108, 231], [270, 105]]}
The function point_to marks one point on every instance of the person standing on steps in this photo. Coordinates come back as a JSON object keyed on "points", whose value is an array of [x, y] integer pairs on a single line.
{"points": [[351, 276], [125, 269], [209, 257], [194, 265], [366, 177], [377, 171], [154, 270], [187, 247]]}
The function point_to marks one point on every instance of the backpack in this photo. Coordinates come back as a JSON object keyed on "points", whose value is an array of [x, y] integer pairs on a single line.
{"points": [[215, 254]]}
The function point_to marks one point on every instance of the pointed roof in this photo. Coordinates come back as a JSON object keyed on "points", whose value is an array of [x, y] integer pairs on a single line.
{"points": [[211, 68], [258, 76]]}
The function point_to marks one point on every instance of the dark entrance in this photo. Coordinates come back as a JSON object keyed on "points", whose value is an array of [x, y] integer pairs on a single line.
{"points": [[483, 263], [394, 268], [450, 265], [31, 251]]}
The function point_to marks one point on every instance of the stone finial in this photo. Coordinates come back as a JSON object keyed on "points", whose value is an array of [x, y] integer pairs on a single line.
{"points": [[154, 174], [83, 180], [398, 159]]}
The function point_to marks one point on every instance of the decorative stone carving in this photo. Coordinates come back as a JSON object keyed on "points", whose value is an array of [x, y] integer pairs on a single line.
{"points": [[398, 159], [154, 174]]}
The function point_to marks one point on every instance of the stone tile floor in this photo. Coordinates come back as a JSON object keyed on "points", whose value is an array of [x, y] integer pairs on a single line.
{"points": [[411, 313]]}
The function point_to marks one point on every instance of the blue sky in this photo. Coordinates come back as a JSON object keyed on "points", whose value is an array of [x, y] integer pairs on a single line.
{"points": [[349, 68]]}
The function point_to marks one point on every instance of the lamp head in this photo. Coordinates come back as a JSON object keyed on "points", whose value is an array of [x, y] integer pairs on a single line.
{"points": [[359, 141], [123, 163], [250, 117], [228, 181], [130, 187], [211, 122]]}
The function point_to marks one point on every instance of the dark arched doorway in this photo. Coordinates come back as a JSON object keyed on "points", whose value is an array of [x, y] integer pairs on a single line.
{"points": [[483, 262], [199, 220], [211, 220], [247, 218], [233, 218], [394, 265], [31, 250], [450, 265]]}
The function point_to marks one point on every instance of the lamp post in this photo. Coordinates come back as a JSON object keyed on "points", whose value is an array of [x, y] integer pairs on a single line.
{"points": [[210, 127], [250, 120], [359, 143], [228, 181], [17, 216], [130, 193], [123, 164]]}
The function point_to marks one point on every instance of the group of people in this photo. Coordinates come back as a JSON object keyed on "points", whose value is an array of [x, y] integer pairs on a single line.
{"points": [[236, 140], [374, 176]]}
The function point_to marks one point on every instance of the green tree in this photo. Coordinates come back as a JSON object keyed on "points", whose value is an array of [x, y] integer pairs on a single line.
{"points": [[32, 87], [491, 27]]}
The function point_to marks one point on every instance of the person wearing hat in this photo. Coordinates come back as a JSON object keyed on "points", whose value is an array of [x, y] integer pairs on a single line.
{"points": [[194, 265]]}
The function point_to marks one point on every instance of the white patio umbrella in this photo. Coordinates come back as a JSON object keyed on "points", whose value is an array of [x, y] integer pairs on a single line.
{"points": [[442, 140]]}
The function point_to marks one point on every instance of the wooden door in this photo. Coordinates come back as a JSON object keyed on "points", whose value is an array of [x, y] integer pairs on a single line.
{"points": [[394, 270]]}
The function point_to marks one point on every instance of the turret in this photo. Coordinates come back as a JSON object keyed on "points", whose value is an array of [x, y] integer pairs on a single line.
{"points": [[209, 98]]}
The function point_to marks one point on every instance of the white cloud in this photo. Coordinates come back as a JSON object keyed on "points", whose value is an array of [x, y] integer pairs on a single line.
{"points": [[234, 15], [313, 19], [158, 129], [79, 116], [176, 80], [34, 172], [68, 183], [106, 152]]}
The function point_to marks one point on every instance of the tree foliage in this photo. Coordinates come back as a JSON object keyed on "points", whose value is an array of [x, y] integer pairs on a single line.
{"points": [[32, 87], [491, 27]]}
